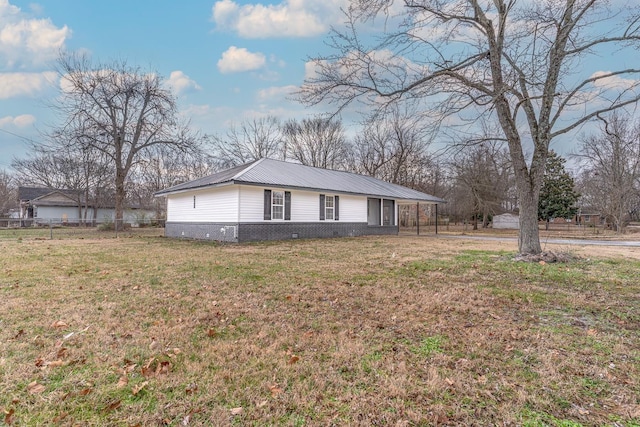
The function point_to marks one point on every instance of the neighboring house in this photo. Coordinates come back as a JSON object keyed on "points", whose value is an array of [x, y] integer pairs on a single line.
{"points": [[507, 221], [588, 218], [42, 205], [271, 200]]}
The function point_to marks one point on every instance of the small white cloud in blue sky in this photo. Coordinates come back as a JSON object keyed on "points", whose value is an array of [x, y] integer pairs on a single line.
{"points": [[239, 59], [181, 83], [20, 121], [28, 41], [293, 18], [24, 84]]}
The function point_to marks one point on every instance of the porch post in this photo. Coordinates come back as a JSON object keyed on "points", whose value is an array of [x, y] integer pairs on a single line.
{"points": [[418, 218], [436, 218]]}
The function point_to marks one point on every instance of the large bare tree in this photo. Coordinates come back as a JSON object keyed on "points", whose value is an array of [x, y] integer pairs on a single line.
{"points": [[8, 193], [120, 111], [482, 174], [610, 162], [63, 166], [394, 147], [250, 140], [318, 142], [527, 64]]}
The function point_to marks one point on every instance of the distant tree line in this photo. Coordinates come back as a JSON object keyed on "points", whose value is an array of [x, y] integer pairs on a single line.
{"points": [[120, 140]]}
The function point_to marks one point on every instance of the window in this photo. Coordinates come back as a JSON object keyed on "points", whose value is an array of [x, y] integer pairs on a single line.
{"points": [[328, 207], [277, 205]]}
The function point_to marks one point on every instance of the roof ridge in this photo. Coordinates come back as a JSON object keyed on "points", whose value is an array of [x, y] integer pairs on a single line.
{"points": [[247, 168]]}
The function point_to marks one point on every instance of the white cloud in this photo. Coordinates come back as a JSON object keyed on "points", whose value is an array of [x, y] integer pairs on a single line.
{"points": [[236, 60], [612, 82], [20, 121], [196, 110], [24, 84], [290, 18], [181, 83], [28, 41], [276, 93]]}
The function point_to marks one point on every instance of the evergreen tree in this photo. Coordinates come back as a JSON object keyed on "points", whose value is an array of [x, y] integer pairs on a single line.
{"points": [[558, 196]]}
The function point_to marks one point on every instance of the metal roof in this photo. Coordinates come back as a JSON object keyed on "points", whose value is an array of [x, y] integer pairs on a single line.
{"points": [[276, 173]]}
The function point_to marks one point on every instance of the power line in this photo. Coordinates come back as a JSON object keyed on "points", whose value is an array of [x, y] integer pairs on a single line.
{"points": [[19, 136]]}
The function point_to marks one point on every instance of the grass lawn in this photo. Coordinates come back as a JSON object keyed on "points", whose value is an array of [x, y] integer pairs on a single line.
{"points": [[143, 331]]}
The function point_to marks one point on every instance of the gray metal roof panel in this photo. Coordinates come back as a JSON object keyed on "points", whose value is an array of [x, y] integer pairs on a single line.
{"points": [[277, 173], [226, 175]]}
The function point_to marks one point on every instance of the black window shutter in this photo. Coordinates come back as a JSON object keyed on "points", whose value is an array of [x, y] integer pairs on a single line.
{"points": [[322, 207], [267, 204], [287, 205], [336, 206]]}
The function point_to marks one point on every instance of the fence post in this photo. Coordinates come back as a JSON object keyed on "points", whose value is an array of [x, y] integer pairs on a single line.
{"points": [[50, 230]]}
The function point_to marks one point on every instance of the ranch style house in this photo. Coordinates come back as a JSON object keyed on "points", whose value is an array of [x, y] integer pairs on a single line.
{"points": [[274, 200]]}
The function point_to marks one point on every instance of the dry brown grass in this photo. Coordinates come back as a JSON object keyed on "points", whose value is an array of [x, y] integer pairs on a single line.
{"points": [[362, 331]]}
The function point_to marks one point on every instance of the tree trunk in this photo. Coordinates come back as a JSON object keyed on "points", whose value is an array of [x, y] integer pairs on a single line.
{"points": [[546, 225], [120, 196], [529, 237]]}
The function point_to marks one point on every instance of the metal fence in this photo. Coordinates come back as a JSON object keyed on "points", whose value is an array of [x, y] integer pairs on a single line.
{"points": [[58, 228]]}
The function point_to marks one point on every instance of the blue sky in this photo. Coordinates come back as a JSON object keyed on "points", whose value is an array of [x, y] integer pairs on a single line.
{"points": [[227, 60]]}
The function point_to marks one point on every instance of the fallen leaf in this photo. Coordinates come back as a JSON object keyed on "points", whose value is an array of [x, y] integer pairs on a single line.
{"points": [[542, 263], [62, 353], [449, 381], [191, 388], [55, 363], [211, 333], [122, 382], [275, 390], [261, 404], [236, 411], [113, 406], [60, 417], [9, 417], [59, 324], [85, 391], [293, 359], [482, 379], [137, 389], [186, 420], [39, 362], [592, 332], [19, 334], [34, 387]]}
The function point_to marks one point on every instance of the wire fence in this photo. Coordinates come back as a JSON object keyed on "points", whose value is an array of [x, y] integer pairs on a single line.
{"points": [[59, 228]]}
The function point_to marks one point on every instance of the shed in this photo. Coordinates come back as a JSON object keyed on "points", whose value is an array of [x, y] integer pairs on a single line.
{"points": [[272, 200], [507, 221]]}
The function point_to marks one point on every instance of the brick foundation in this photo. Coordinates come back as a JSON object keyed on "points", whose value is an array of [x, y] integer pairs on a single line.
{"points": [[251, 232]]}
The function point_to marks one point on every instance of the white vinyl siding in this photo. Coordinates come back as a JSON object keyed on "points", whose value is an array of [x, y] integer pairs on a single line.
{"points": [[352, 208], [251, 203], [304, 205], [211, 205]]}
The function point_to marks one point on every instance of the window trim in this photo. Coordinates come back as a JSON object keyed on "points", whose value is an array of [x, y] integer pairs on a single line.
{"points": [[335, 209], [329, 209], [274, 205]]}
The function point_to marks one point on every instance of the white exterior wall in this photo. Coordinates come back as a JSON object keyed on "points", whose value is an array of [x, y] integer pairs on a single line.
{"points": [[71, 214], [305, 206], [212, 205]]}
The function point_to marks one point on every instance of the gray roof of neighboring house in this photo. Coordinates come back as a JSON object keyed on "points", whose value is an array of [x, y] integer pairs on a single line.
{"points": [[30, 193], [276, 173]]}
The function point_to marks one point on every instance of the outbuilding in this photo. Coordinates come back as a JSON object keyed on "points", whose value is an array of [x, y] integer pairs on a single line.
{"points": [[273, 200], [506, 221]]}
